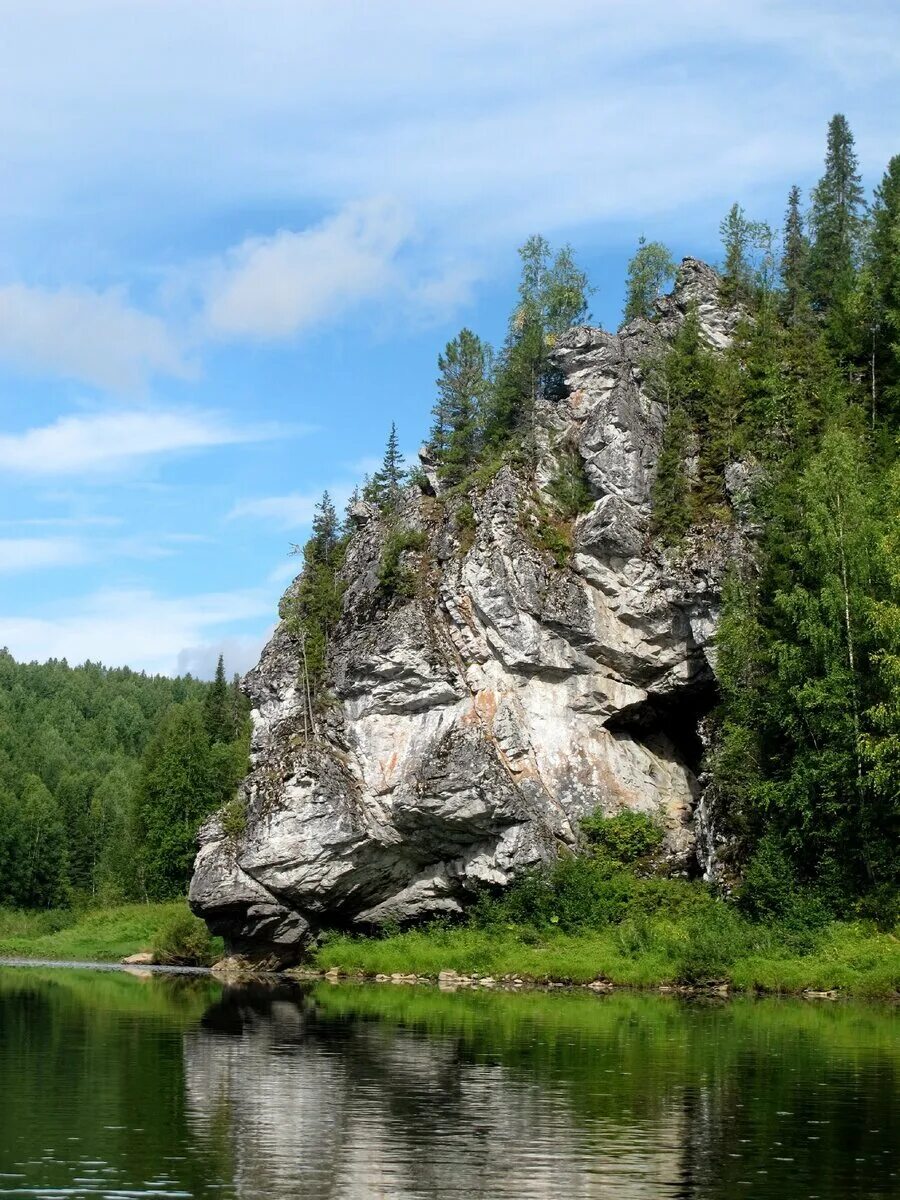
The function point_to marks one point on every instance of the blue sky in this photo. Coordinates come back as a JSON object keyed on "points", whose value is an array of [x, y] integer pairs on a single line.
{"points": [[234, 237]]}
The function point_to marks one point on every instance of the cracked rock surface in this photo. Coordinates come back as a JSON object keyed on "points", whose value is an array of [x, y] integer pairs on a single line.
{"points": [[467, 729]]}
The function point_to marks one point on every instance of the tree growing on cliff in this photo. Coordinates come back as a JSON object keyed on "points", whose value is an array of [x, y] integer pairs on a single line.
{"points": [[386, 485], [651, 268], [462, 387], [553, 296]]}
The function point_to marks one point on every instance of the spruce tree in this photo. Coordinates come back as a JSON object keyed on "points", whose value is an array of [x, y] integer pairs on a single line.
{"points": [[648, 272], [835, 220], [386, 485], [462, 385], [216, 714], [881, 291], [794, 265]]}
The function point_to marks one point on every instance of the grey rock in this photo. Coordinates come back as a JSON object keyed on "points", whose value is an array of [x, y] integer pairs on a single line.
{"points": [[465, 731]]}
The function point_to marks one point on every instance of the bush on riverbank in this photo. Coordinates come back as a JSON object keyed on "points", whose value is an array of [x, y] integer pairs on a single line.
{"points": [[592, 917]]}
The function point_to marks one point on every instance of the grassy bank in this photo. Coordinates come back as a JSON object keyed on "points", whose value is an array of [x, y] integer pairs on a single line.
{"points": [[106, 934], [852, 958]]}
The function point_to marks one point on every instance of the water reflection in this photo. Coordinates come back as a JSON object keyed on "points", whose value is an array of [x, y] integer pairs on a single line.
{"points": [[115, 1086], [380, 1091]]}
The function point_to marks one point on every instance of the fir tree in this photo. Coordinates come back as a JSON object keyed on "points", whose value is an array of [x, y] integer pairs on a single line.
{"points": [[648, 272], [835, 220]]}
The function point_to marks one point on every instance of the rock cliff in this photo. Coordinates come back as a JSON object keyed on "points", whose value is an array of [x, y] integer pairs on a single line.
{"points": [[539, 671]]}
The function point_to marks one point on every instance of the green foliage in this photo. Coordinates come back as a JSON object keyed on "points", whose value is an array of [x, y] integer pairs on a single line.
{"points": [[552, 297], [313, 611], [552, 535], [570, 486], [835, 220], [184, 940], [628, 837], [651, 268], [462, 385], [71, 740], [395, 580], [234, 819], [177, 789], [105, 934], [386, 485]]}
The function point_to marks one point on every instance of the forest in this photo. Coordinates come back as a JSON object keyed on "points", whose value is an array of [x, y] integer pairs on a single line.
{"points": [[105, 777]]}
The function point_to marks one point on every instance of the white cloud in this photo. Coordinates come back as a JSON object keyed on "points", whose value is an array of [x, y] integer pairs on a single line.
{"points": [[136, 627], [29, 554], [95, 337], [239, 655], [277, 286], [105, 441], [292, 510]]}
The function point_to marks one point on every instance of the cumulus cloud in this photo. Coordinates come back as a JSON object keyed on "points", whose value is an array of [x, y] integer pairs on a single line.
{"points": [[96, 337], [139, 628], [276, 286], [108, 440]]}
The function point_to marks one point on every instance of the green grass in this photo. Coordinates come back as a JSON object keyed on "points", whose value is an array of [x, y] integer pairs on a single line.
{"points": [[854, 958], [93, 935]]}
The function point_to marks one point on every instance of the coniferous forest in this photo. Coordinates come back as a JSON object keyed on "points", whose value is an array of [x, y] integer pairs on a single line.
{"points": [[105, 775]]}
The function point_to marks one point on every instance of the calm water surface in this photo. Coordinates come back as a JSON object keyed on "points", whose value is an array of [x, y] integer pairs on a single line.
{"points": [[117, 1086]]}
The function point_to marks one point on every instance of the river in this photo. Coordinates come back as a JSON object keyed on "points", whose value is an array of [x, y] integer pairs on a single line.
{"points": [[125, 1086]]}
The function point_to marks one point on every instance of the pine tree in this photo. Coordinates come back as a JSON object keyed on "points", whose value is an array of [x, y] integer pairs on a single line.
{"points": [[462, 385], [835, 220], [794, 261], [648, 272]]}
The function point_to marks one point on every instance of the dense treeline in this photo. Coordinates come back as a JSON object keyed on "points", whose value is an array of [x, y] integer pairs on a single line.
{"points": [[806, 765], [105, 776]]}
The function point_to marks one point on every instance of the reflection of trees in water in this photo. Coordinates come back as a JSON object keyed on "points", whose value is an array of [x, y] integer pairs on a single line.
{"points": [[320, 1106], [359, 1092]]}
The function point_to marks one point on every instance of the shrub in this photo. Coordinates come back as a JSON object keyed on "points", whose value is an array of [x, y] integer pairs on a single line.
{"points": [[882, 905], [395, 580], [234, 818], [707, 943], [625, 838], [570, 487], [184, 940]]}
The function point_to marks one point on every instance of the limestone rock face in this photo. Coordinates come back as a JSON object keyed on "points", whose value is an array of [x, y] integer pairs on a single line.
{"points": [[465, 730]]}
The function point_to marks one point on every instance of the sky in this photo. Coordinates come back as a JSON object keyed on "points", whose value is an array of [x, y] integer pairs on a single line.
{"points": [[234, 237]]}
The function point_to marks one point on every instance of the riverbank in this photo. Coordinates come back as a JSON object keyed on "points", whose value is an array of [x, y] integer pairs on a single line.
{"points": [[843, 958], [107, 934], [852, 959]]}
